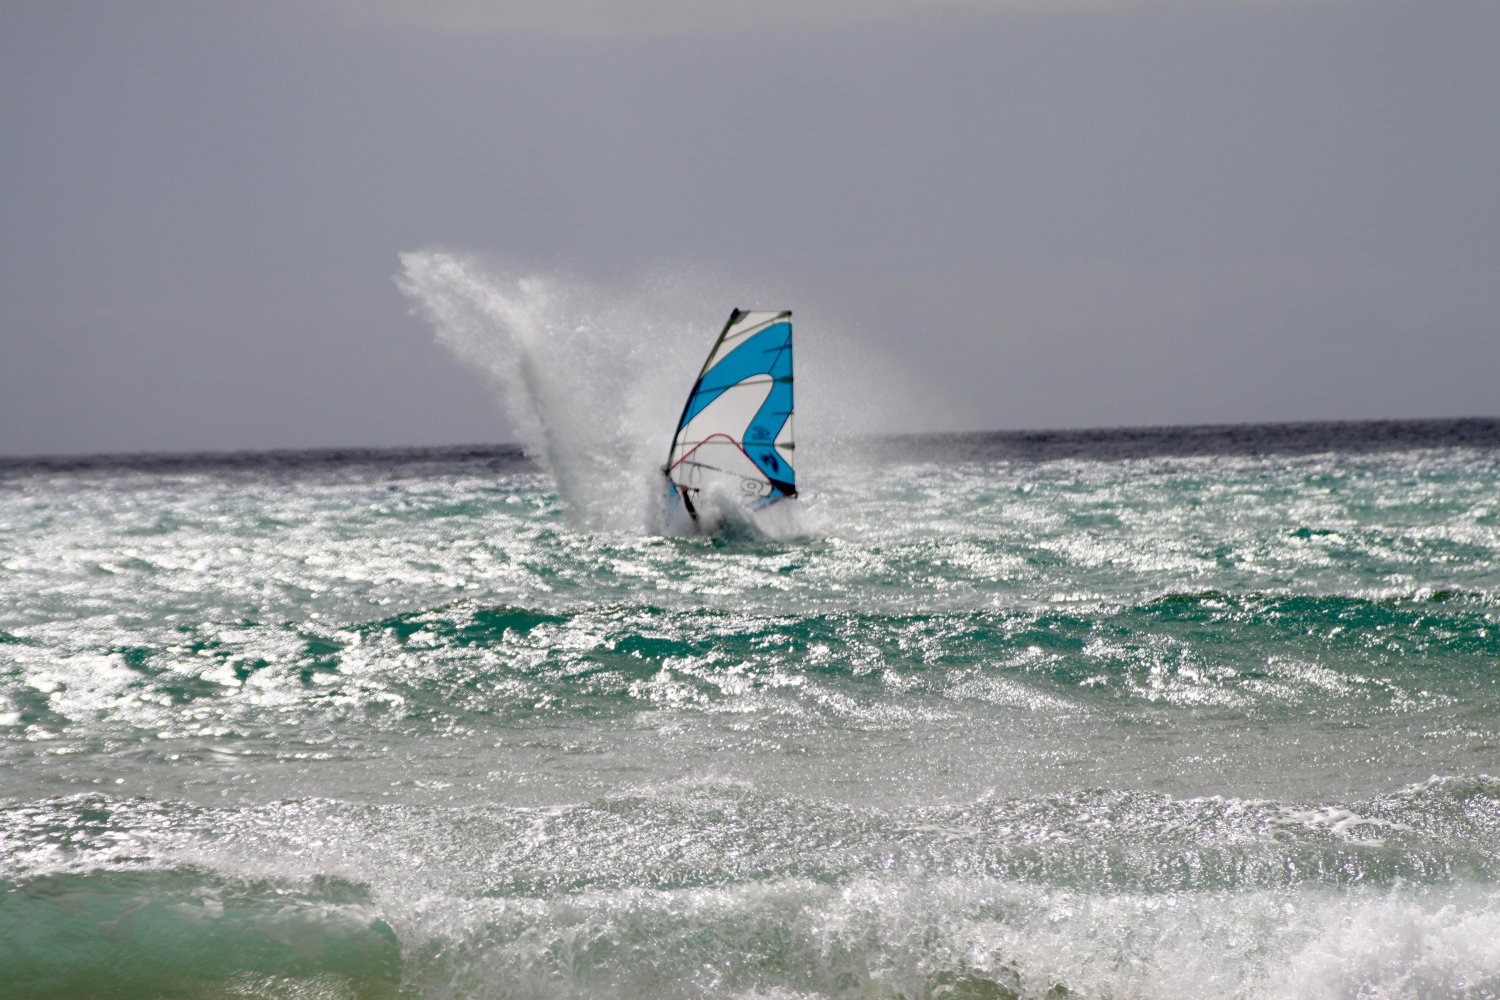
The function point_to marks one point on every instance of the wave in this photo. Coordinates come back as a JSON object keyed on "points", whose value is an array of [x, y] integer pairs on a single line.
{"points": [[883, 938], [697, 833], [1251, 653], [192, 933], [718, 890], [977, 940]]}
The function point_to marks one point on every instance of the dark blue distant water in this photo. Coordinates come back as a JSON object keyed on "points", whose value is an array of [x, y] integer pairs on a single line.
{"points": [[1176, 712]]}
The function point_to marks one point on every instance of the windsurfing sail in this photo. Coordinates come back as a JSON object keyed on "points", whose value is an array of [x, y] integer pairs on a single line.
{"points": [[735, 433]]}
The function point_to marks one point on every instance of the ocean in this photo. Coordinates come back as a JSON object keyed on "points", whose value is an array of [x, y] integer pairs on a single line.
{"points": [[1179, 712]]}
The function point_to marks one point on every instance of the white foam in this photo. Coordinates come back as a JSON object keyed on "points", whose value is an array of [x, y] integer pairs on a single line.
{"points": [[1342, 823], [890, 936], [1396, 946]]}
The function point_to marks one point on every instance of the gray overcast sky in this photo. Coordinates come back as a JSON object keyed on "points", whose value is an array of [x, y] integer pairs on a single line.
{"points": [[1065, 213]]}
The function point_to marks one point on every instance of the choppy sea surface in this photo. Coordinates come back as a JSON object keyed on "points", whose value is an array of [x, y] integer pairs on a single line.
{"points": [[1194, 712]]}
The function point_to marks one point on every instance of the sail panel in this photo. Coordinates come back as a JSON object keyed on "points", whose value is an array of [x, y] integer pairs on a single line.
{"points": [[736, 427]]}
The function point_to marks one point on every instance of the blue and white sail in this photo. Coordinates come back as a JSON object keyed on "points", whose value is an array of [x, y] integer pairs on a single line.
{"points": [[735, 435]]}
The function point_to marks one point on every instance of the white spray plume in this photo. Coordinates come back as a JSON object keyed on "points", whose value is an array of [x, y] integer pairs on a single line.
{"points": [[593, 377], [588, 402]]}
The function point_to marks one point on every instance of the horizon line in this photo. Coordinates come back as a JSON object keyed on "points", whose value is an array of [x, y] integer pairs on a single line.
{"points": [[1060, 436]]}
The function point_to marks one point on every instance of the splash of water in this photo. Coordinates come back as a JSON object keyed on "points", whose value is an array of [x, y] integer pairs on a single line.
{"points": [[593, 377], [589, 376]]}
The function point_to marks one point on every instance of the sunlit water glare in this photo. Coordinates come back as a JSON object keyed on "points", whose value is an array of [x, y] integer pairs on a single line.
{"points": [[1158, 726]]}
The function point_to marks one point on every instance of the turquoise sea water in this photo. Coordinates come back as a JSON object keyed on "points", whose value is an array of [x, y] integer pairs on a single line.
{"points": [[1182, 713]]}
